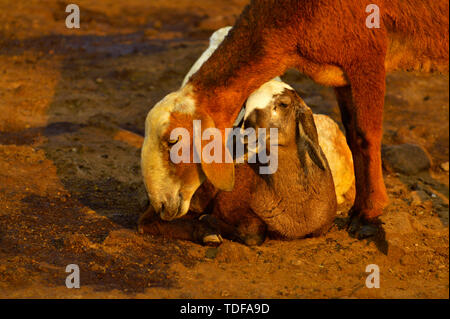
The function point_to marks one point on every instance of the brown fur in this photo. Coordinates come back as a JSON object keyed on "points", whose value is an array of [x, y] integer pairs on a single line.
{"points": [[187, 171], [298, 200], [329, 41]]}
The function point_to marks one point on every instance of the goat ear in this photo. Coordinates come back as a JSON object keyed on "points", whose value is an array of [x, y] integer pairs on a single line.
{"points": [[308, 135], [221, 175]]}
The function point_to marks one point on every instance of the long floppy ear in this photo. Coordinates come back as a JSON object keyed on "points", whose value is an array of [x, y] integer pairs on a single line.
{"points": [[220, 173], [308, 135]]}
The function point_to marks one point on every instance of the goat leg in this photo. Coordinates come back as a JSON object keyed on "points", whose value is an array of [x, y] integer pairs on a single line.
{"points": [[361, 107], [186, 228]]}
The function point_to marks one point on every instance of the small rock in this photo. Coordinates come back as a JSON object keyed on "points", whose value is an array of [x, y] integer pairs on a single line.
{"points": [[211, 253], [14, 85], [444, 166], [418, 197], [297, 262], [408, 159]]}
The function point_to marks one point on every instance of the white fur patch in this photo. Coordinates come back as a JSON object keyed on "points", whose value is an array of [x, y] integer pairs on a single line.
{"points": [[214, 41], [159, 183], [264, 96], [153, 170], [184, 101], [217, 38]]}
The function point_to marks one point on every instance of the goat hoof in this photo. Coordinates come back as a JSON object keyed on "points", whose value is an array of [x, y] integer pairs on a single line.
{"points": [[366, 231], [213, 240], [362, 228], [140, 229]]}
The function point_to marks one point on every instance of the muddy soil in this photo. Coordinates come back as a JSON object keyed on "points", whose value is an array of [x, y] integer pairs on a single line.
{"points": [[72, 111]]}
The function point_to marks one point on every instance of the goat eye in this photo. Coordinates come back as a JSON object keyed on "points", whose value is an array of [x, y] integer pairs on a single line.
{"points": [[173, 142], [284, 101]]}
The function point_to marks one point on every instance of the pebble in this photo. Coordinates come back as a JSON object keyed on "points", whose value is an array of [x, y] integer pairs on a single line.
{"points": [[408, 159], [211, 253], [297, 262], [418, 197]]}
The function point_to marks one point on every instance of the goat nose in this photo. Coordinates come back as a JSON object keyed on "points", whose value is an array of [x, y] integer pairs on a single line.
{"points": [[166, 214], [163, 213]]}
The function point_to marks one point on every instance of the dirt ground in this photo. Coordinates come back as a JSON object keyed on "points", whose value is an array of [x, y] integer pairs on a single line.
{"points": [[72, 110]]}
